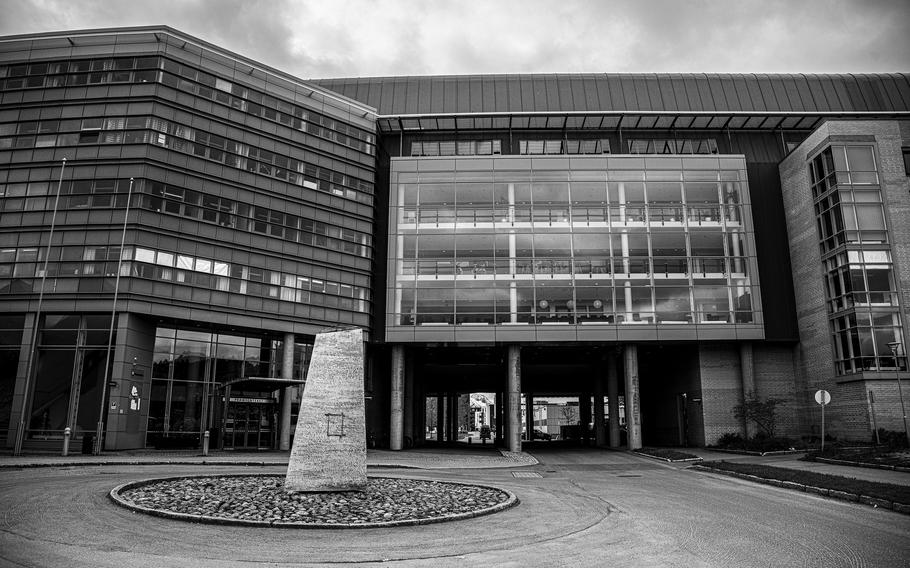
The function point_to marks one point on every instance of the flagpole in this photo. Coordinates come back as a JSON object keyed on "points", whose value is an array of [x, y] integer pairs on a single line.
{"points": [[29, 368], [99, 430]]}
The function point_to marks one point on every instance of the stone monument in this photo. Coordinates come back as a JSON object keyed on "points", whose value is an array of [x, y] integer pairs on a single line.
{"points": [[329, 451]]}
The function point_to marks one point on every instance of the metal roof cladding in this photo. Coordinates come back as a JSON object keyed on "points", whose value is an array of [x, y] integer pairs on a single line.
{"points": [[604, 92]]}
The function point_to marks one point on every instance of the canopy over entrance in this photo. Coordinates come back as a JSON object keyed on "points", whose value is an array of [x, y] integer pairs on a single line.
{"points": [[261, 383]]}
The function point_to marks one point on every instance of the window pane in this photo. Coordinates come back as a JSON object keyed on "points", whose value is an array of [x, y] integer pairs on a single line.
{"points": [[859, 158]]}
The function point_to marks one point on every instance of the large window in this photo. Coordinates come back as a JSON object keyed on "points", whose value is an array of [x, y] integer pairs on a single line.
{"points": [[860, 286], [551, 247], [190, 369], [11, 329], [71, 351], [182, 138]]}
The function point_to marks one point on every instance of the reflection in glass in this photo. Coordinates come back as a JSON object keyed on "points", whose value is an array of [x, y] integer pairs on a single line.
{"points": [[532, 247]]}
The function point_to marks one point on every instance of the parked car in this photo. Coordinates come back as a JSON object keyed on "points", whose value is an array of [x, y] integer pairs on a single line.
{"points": [[541, 435]]}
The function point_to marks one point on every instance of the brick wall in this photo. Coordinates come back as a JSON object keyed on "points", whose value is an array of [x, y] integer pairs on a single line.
{"points": [[775, 377], [887, 404], [848, 415], [721, 388]]}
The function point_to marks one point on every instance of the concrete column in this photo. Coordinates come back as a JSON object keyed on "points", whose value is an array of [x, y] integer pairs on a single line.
{"points": [[633, 400], [584, 416], [287, 393], [440, 416], [613, 398], [529, 416], [514, 399], [396, 426], [411, 408], [500, 414], [600, 433], [224, 414], [451, 418], [747, 370]]}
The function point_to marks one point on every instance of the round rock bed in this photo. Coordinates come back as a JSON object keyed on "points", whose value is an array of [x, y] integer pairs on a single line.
{"points": [[260, 500]]}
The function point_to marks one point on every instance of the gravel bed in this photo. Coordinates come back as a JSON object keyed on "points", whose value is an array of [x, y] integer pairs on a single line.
{"points": [[262, 499]]}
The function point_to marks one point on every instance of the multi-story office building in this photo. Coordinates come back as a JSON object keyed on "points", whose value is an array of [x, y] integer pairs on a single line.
{"points": [[223, 210], [647, 249]]}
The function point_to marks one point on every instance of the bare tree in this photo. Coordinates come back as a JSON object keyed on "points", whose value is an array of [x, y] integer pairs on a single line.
{"points": [[762, 413]]}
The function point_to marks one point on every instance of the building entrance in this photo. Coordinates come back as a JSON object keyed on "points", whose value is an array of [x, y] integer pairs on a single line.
{"points": [[250, 424], [569, 395]]}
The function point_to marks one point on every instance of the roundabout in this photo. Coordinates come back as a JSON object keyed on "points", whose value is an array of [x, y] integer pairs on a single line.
{"points": [[261, 500]]}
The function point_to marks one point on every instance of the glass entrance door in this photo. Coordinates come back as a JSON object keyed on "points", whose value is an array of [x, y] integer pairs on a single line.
{"points": [[249, 425]]}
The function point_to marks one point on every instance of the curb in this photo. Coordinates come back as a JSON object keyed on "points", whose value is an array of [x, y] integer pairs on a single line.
{"points": [[761, 454], [140, 462], [526, 460], [114, 495], [668, 460], [834, 494], [862, 464]]}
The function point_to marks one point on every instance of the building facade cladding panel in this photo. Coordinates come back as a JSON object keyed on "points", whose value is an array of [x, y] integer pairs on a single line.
{"points": [[261, 185], [605, 92], [850, 267], [571, 249]]}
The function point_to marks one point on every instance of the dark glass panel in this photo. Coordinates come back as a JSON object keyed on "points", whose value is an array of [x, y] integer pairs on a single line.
{"points": [[50, 401]]}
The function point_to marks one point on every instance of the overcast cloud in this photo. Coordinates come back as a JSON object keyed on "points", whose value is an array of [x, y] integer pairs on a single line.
{"points": [[338, 38]]}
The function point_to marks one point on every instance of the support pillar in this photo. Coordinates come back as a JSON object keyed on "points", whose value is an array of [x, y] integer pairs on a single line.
{"points": [[633, 399], [600, 432], [499, 419], [529, 416], [224, 415], [410, 406], [747, 370], [613, 398], [450, 417], [287, 393], [584, 417], [514, 399], [396, 426], [440, 416]]}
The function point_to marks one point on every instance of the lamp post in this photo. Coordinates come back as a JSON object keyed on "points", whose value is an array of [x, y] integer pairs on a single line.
{"points": [[894, 345]]}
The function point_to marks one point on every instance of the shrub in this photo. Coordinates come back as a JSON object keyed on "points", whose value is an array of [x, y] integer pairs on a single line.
{"points": [[762, 413], [892, 439], [730, 440]]}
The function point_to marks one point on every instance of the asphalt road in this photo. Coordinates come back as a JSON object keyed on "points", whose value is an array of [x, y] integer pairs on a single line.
{"points": [[587, 509]]}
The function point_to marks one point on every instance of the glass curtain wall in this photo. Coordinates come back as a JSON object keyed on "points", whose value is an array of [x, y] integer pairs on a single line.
{"points": [[69, 370], [862, 293], [11, 329], [189, 371], [571, 247]]}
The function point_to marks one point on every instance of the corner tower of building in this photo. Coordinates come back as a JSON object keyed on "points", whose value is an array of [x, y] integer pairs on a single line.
{"points": [[227, 206]]}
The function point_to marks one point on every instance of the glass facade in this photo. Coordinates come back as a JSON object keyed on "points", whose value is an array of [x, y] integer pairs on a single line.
{"points": [[860, 285], [190, 369], [68, 379], [151, 69], [11, 329], [93, 269], [504, 242]]}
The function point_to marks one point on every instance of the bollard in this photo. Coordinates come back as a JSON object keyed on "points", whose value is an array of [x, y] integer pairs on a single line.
{"points": [[205, 443], [469, 439], [66, 441]]}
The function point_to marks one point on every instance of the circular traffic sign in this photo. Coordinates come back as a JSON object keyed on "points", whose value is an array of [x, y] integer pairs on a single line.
{"points": [[822, 397]]}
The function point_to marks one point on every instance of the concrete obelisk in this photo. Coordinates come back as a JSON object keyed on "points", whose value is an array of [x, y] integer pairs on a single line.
{"points": [[329, 451]]}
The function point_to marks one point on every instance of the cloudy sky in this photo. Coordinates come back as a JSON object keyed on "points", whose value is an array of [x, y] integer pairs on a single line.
{"points": [[345, 38]]}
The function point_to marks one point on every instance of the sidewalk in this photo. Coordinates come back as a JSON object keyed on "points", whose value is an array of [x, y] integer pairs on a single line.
{"points": [[417, 459], [793, 461]]}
